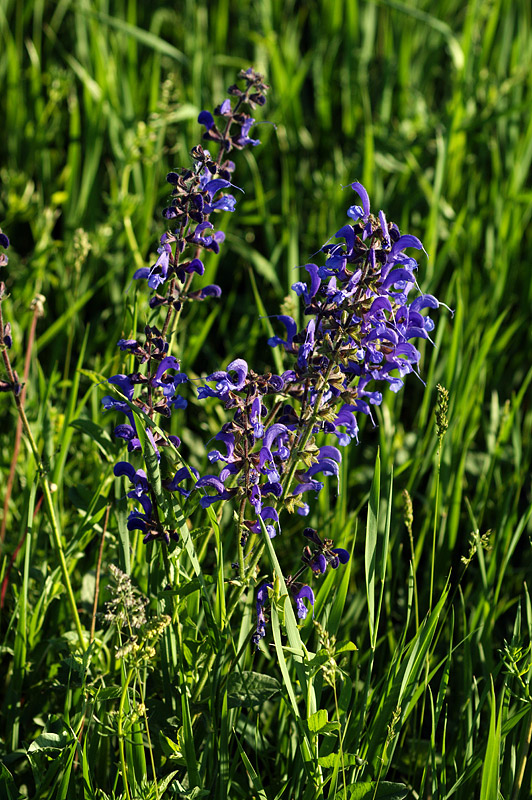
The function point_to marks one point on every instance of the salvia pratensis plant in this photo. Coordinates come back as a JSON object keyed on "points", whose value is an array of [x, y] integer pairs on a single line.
{"points": [[284, 433]]}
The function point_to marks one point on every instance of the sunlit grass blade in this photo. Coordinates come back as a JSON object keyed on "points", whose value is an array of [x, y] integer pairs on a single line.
{"points": [[489, 788], [370, 560]]}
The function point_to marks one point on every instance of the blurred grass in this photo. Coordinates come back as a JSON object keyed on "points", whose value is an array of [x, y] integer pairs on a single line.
{"points": [[426, 104]]}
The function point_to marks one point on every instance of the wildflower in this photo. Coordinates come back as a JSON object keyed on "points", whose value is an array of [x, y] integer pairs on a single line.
{"points": [[301, 593], [4, 242], [213, 482], [137, 478], [147, 522], [127, 606], [185, 473], [225, 383], [323, 554], [262, 597]]}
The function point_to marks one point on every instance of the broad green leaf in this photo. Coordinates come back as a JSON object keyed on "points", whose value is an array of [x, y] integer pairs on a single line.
{"points": [[247, 689], [318, 720]]}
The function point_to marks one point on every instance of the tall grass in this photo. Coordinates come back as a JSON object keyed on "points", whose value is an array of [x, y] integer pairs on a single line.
{"points": [[410, 687]]}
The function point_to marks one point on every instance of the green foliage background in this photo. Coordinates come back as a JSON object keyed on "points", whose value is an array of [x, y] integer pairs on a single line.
{"points": [[428, 105]]}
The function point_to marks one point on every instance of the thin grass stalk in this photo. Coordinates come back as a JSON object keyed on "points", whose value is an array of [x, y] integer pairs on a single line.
{"points": [[37, 308], [98, 572], [523, 758]]}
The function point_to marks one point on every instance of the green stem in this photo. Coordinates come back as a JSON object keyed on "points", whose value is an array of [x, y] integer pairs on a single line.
{"points": [[437, 505], [121, 737], [307, 431]]}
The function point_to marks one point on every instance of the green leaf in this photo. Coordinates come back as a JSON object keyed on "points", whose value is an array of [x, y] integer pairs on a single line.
{"points": [[110, 693], [255, 779], [489, 789], [247, 689], [342, 759], [345, 647], [370, 561], [316, 722], [261, 264], [98, 436], [370, 790], [50, 741], [8, 787]]}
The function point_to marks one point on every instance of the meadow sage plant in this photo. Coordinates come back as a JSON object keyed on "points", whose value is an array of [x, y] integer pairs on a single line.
{"points": [[283, 434]]}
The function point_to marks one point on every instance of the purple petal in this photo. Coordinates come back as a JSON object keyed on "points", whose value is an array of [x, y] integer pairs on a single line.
{"points": [[207, 119], [384, 228], [124, 468], [342, 554], [348, 234], [124, 383], [398, 275], [405, 241], [195, 266], [363, 196], [170, 362], [305, 593], [210, 480], [424, 301], [210, 291]]}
